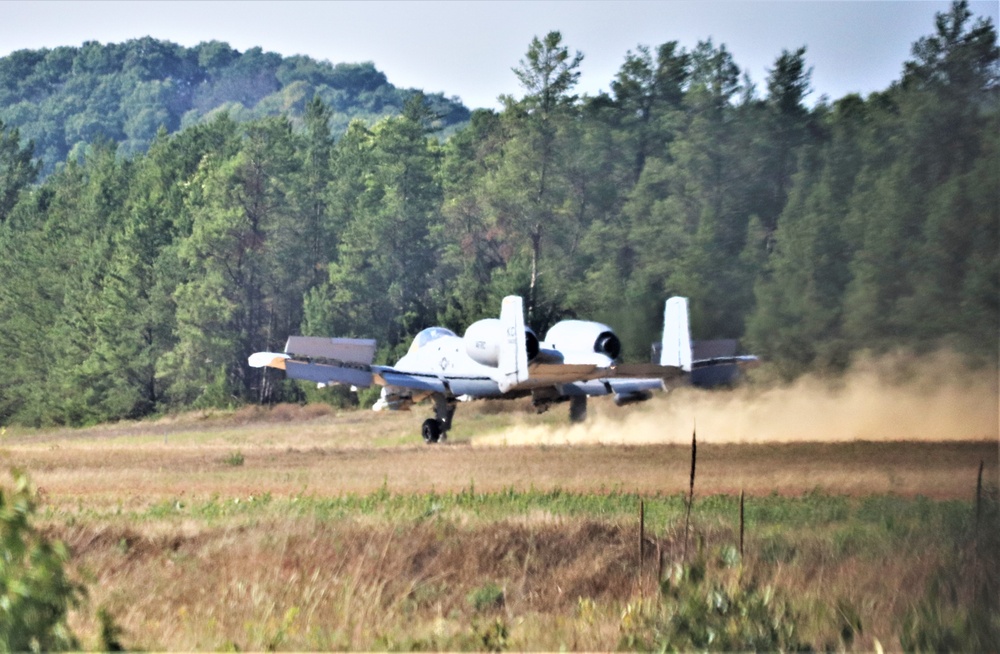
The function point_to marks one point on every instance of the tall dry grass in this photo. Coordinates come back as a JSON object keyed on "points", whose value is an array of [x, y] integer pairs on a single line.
{"points": [[302, 585], [372, 578]]}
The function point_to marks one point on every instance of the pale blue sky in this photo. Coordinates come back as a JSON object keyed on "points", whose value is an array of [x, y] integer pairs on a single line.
{"points": [[468, 48]]}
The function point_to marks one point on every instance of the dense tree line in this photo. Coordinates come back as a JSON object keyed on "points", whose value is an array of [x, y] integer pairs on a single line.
{"points": [[65, 98], [132, 284]]}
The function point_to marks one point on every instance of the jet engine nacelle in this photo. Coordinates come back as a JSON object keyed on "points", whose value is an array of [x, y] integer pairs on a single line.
{"points": [[483, 339], [583, 337]]}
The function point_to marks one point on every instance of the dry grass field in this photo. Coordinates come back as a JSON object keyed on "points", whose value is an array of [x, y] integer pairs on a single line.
{"points": [[136, 471], [303, 528]]}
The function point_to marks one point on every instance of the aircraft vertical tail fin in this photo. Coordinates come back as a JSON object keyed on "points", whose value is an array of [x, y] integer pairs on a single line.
{"points": [[512, 363], [676, 344]]}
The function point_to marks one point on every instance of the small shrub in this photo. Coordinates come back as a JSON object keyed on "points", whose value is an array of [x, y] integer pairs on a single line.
{"points": [[110, 633], [701, 610], [316, 410], [235, 459], [493, 637], [249, 414], [35, 591], [960, 610], [284, 413], [938, 623]]}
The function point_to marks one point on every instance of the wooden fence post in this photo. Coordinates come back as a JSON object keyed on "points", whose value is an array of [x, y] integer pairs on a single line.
{"points": [[979, 497], [741, 527], [642, 532], [687, 517]]}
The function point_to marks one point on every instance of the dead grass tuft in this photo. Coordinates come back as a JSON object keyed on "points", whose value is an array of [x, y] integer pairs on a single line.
{"points": [[346, 584]]}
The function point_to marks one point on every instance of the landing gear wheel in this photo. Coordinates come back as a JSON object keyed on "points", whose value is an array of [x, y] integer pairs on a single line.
{"points": [[578, 408], [431, 431], [435, 430]]}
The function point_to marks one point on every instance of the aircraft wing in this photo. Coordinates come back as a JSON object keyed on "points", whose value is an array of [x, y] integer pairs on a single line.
{"points": [[429, 383], [346, 350], [329, 373], [548, 374], [745, 360], [645, 370], [622, 376]]}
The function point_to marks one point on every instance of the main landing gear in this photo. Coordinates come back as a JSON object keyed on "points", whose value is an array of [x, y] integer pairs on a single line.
{"points": [[435, 430], [544, 398], [578, 408]]}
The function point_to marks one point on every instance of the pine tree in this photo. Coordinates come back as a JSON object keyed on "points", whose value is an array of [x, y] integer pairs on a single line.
{"points": [[18, 170]]}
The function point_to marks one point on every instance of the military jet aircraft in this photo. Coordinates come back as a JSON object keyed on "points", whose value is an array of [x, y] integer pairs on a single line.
{"points": [[497, 358]]}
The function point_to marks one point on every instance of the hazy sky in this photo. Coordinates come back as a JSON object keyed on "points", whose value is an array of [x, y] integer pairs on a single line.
{"points": [[467, 49]]}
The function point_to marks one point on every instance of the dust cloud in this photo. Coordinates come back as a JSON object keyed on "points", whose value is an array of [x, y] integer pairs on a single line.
{"points": [[888, 399]]}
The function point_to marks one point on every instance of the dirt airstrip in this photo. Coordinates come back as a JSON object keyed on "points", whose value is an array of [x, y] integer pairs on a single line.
{"points": [[896, 426], [149, 470]]}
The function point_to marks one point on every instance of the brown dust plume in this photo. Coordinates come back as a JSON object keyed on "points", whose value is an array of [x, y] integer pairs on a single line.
{"points": [[897, 398]]}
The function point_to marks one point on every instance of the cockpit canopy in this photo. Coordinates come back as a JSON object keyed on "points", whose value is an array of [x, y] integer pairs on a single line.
{"points": [[428, 335]]}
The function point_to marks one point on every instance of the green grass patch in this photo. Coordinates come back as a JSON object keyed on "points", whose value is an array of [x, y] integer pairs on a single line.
{"points": [[776, 524]]}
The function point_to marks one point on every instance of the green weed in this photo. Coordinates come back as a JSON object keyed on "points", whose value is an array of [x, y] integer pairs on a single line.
{"points": [[486, 598], [709, 606]]}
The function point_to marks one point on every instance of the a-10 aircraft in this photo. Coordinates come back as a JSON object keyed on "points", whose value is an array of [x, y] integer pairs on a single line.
{"points": [[498, 358]]}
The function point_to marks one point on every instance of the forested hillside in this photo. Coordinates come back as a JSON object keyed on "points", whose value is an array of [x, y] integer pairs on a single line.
{"points": [[65, 98], [133, 284]]}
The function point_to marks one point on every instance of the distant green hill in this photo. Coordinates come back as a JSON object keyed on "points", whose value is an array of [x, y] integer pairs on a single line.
{"points": [[124, 92]]}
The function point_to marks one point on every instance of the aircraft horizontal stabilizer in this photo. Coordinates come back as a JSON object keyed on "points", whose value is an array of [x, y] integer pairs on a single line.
{"points": [[547, 374], [647, 370], [322, 373], [341, 360], [744, 360], [347, 350]]}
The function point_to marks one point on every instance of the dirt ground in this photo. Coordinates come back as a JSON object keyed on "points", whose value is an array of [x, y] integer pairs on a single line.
{"points": [[139, 472]]}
